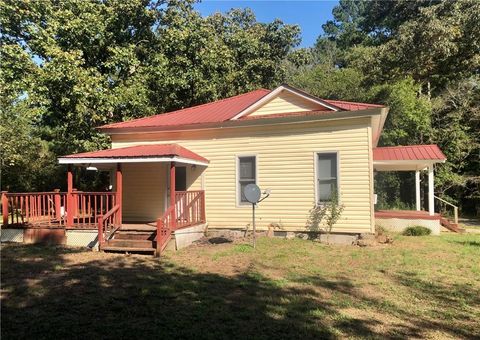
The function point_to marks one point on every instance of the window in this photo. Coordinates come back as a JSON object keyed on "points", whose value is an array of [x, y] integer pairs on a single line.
{"points": [[247, 174], [327, 177]]}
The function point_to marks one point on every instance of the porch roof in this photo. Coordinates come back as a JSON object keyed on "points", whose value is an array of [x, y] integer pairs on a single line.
{"points": [[405, 158], [137, 154]]}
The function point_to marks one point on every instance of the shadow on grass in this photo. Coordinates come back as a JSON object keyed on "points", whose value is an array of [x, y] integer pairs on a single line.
{"points": [[45, 296], [466, 243]]}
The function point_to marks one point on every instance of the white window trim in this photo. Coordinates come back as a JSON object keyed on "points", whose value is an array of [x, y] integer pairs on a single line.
{"points": [[238, 203], [315, 174]]}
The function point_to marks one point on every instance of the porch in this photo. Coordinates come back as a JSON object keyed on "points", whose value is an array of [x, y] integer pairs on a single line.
{"points": [[147, 227], [417, 159]]}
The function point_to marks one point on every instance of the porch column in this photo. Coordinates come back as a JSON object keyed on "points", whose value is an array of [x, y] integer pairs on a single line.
{"points": [[172, 193], [431, 208], [172, 183], [70, 199], [5, 208], [119, 191], [417, 190]]}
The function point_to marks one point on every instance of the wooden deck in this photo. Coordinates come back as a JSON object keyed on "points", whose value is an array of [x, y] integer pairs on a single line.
{"points": [[406, 214]]}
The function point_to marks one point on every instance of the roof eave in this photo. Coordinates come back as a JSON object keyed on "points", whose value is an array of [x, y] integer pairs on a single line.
{"points": [[338, 115], [110, 160]]}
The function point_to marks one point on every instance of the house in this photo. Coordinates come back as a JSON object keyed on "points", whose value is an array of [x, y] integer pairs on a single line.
{"points": [[187, 168]]}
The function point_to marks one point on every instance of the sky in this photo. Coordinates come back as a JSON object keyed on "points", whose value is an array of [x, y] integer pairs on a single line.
{"points": [[309, 15]]}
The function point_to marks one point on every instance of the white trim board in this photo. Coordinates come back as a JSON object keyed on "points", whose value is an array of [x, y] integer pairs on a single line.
{"points": [[106, 160]]}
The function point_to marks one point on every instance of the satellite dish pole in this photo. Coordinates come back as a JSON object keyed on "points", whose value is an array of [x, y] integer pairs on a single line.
{"points": [[253, 193], [254, 226]]}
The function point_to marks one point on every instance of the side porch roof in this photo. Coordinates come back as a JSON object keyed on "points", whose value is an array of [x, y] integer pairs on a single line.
{"points": [[406, 158], [137, 154]]}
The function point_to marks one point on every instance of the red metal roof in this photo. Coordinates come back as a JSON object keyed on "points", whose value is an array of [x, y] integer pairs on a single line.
{"points": [[142, 151], [409, 152], [220, 111]]}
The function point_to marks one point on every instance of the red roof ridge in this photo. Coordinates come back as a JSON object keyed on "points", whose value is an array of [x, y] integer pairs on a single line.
{"points": [[349, 102], [187, 108], [404, 146]]}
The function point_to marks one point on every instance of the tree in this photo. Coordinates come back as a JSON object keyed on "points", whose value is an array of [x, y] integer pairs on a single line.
{"points": [[420, 58]]}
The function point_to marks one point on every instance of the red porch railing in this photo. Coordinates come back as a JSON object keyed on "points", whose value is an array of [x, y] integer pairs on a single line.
{"points": [[40, 208], [88, 206], [189, 210], [51, 209], [108, 224]]}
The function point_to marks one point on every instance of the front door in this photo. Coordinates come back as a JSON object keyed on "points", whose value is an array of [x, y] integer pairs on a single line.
{"points": [[181, 178]]}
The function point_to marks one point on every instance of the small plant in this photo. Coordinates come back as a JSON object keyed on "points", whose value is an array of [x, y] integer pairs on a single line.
{"points": [[416, 231], [242, 248], [379, 230], [328, 212]]}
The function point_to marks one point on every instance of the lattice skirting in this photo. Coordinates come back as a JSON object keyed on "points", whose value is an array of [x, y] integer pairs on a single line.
{"points": [[11, 235], [399, 224], [75, 238], [82, 238]]}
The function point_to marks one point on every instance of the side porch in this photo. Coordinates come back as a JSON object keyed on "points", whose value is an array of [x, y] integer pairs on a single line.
{"points": [[418, 159]]}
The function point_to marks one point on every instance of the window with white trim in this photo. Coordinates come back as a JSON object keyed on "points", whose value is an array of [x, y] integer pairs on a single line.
{"points": [[327, 176], [246, 174]]}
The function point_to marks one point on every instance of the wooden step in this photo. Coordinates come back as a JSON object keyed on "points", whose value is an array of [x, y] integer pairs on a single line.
{"points": [[132, 243], [128, 249], [138, 228], [130, 235], [451, 226]]}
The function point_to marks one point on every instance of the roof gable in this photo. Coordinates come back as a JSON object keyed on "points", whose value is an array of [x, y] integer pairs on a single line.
{"points": [[286, 99], [286, 102]]}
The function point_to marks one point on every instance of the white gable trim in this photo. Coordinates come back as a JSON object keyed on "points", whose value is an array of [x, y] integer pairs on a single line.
{"points": [[275, 93]]}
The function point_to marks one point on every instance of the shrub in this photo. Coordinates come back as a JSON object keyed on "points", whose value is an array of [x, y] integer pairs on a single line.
{"points": [[379, 230], [417, 231]]}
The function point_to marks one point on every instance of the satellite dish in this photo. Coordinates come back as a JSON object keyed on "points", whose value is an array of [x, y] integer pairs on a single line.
{"points": [[252, 193]]}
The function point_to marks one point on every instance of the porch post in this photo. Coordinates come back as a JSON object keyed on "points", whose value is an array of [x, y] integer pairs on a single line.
{"points": [[431, 208], [172, 192], [5, 208], [70, 200], [119, 189], [417, 190]]}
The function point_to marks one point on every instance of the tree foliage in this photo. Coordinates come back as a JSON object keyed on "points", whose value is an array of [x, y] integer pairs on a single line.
{"points": [[422, 59]]}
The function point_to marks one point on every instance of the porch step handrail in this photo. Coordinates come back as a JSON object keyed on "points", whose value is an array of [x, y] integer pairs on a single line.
{"points": [[165, 227], [455, 208], [107, 225], [188, 210]]}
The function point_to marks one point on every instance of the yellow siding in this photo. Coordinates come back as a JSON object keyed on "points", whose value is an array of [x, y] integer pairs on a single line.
{"points": [[286, 102], [144, 187], [285, 156]]}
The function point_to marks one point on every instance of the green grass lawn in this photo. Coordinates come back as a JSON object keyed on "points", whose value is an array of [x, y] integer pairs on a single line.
{"points": [[417, 287]]}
